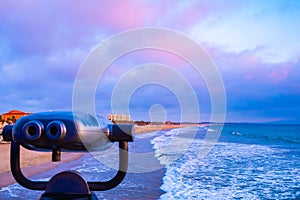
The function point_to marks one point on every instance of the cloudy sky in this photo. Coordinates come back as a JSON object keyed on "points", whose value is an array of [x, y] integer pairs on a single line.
{"points": [[254, 44]]}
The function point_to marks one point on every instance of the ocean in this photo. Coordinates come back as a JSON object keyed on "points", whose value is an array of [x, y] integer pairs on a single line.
{"points": [[249, 161]]}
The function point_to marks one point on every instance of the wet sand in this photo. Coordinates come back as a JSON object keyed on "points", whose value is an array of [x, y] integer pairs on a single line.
{"points": [[34, 163]]}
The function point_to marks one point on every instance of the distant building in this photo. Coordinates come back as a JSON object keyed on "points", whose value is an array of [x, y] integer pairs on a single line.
{"points": [[119, 118], [13, 115]]}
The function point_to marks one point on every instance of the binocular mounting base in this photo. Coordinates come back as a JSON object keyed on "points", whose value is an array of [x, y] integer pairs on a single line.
{"points": [[67, 185]]}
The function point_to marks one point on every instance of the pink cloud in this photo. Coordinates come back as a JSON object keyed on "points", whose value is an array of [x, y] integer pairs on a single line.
{"points": [[114, 14], [280, 73]]}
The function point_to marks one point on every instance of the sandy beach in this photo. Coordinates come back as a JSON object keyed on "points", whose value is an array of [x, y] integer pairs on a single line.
{"points": [[33, 162], [150, 128]]}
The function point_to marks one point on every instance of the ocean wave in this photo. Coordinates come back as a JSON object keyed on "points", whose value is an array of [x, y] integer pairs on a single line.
{"points": [[231, 170]]}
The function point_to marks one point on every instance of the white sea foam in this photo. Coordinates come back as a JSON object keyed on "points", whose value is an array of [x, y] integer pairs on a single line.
{"points": [[211, 130], [16, 191], [231, 170], [166, 146], [235, 133], [11, 190]]}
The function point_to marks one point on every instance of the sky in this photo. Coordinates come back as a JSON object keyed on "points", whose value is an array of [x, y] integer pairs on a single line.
{"points": [[254, 44]]}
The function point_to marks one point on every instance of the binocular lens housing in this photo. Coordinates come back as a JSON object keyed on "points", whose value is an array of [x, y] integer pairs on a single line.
{"points": [[56, 130], [33, 130], [75, 131]]}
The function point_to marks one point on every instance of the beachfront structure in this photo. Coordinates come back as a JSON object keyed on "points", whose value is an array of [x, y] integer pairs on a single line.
{"points": [[13, 115], [117, 118]]}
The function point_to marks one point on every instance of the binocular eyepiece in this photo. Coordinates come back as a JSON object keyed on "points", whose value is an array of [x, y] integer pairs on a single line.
{"points": [[33, 130], [55, 130], [73, 131]]}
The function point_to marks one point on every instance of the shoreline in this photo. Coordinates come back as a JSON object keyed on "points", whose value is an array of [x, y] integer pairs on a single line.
{"points": [[34, 163]]}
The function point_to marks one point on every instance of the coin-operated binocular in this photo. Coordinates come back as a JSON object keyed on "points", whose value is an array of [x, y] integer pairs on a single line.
{"points": [[66, 131]]}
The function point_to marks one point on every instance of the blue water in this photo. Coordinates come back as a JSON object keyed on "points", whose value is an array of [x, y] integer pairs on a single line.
{"points": [[249, 161]]}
